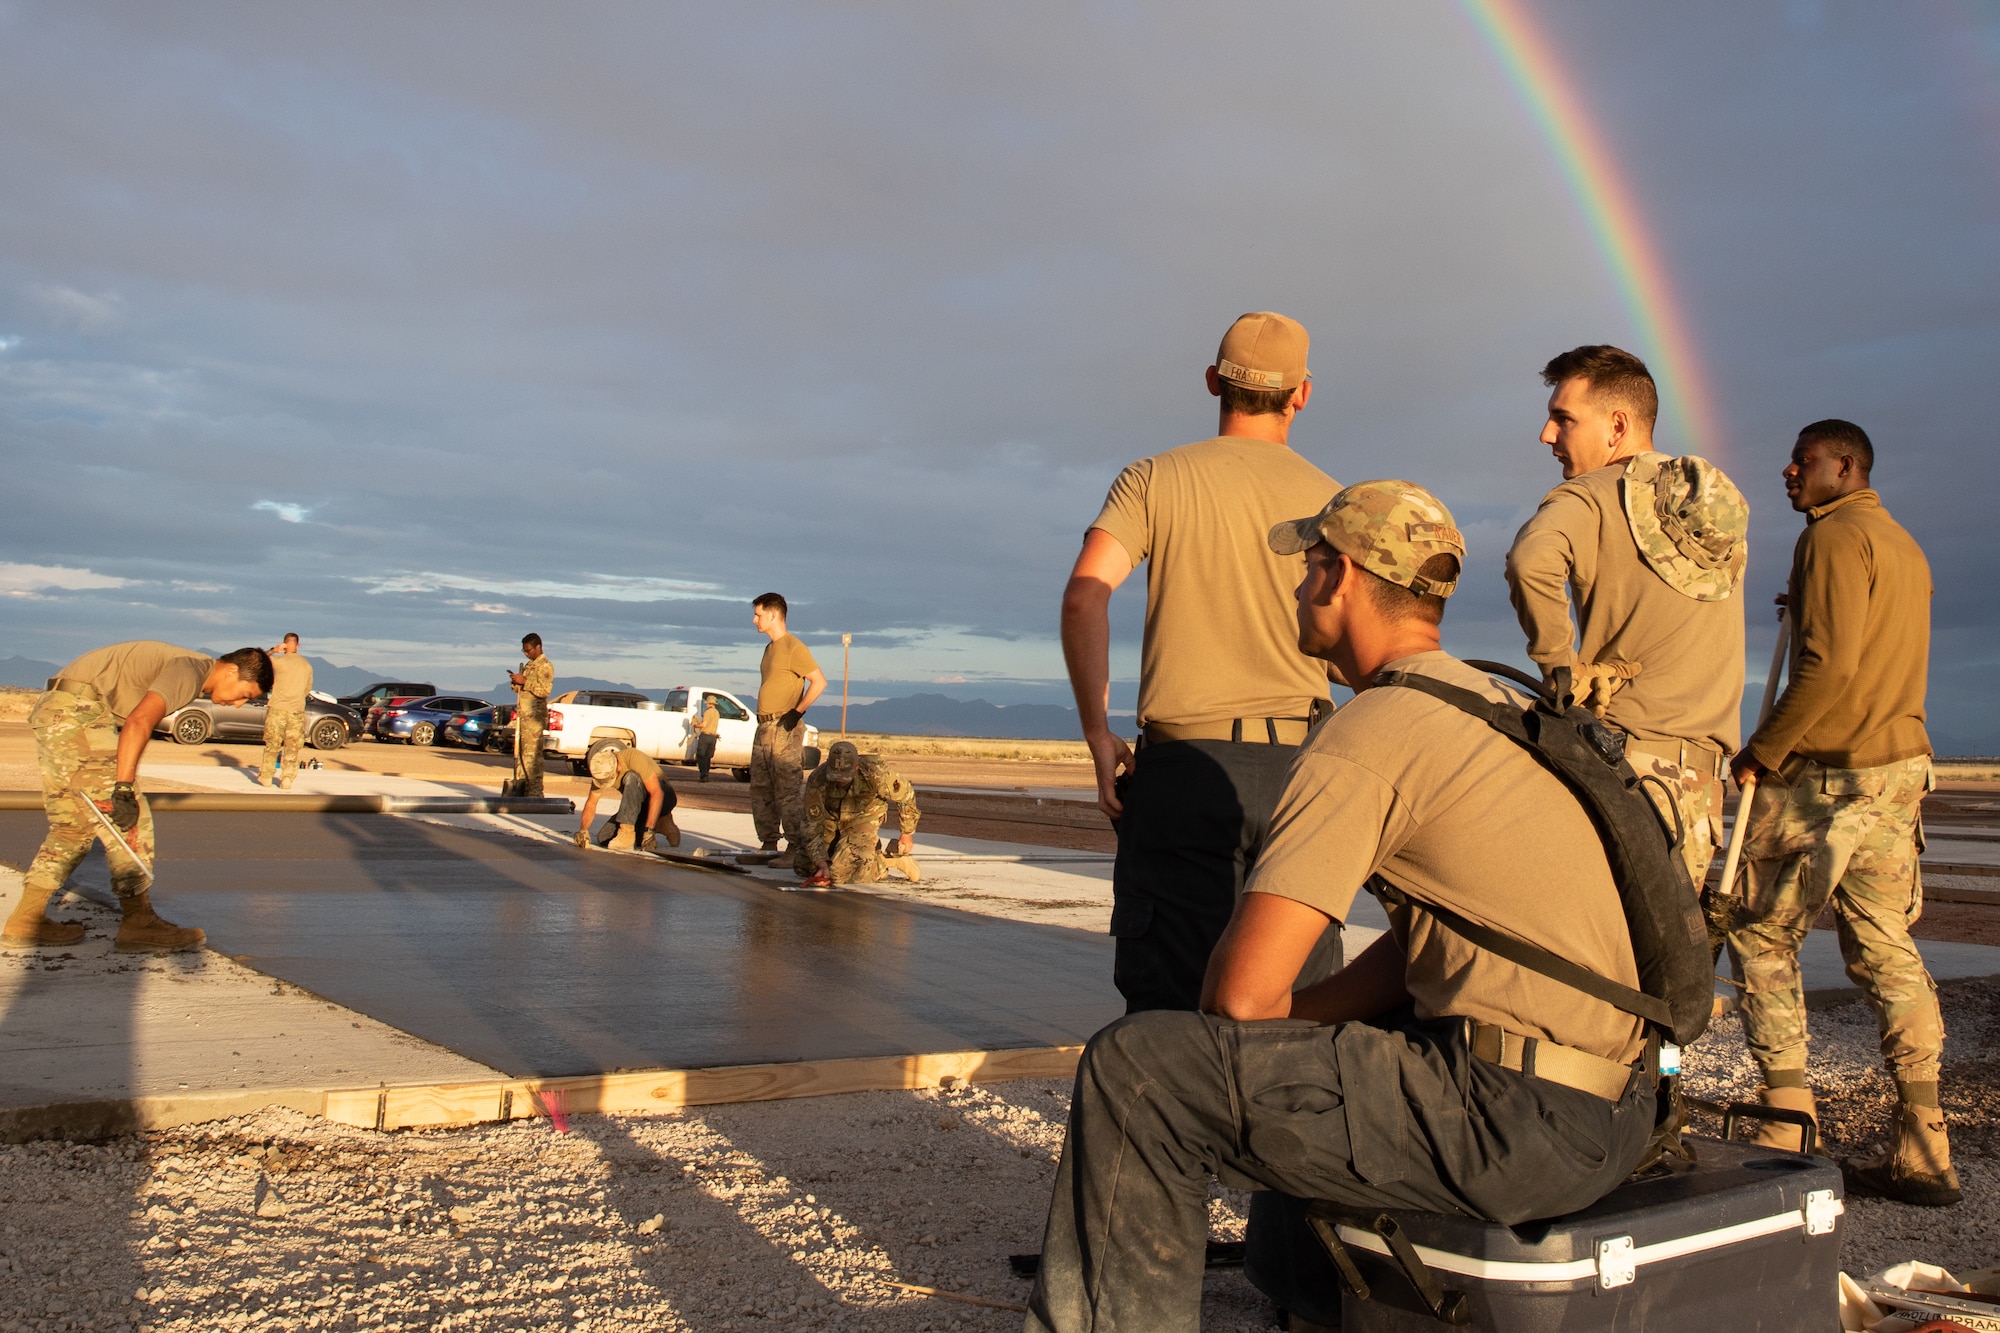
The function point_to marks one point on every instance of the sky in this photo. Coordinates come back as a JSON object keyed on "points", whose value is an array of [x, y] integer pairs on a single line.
{"points": [[412, 328]]}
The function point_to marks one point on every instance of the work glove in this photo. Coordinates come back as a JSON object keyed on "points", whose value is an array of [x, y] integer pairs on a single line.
{"points": [[582, 839], [649, 841], [1596, 682], [790, 719], [819, 879], [124, 806]]}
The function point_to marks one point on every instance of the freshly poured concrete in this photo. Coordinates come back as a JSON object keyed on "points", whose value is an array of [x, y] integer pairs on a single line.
{"points": [[537, 959], [84, 1023]]}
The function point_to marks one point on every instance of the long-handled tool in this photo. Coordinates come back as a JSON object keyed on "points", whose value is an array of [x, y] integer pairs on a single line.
{"points": [[1734, 857], [117, 835]]}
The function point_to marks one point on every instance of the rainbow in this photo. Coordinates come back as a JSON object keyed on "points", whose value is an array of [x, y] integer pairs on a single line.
{"points": [[1613, 215]]}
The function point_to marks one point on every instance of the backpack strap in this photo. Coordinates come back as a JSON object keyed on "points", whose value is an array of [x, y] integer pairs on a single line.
{"points": [[1535, 959], [1506, 719]]}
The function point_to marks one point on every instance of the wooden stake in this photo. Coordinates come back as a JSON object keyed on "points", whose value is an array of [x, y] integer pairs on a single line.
{"points": [[955, 1296]]}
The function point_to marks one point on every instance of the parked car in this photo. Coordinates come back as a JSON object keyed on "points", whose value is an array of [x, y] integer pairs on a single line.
{"points": [[477, 729], [329, 725], [419, 721], [665, 731], [382, 691]]}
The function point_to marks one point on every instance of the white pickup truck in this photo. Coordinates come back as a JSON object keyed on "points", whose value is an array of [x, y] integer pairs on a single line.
{"points": [[581, 721]]}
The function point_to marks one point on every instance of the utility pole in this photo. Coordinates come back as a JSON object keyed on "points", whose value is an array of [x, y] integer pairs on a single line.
{"points": [[846, 655]]}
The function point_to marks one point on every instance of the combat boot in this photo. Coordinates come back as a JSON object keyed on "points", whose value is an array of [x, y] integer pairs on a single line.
{"points": [[1779, 1133], [668, 829], [28, 925], [624, 840], [144, 931], [907, 865], [1915, 1168]]}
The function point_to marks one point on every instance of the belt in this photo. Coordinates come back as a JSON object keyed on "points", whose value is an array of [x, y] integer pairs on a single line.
{"points": [[769, 717], [1688, 754], [1544, 1059], [1246, 730], [82, 689]]}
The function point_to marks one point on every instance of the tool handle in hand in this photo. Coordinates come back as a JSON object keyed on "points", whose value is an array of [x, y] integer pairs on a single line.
{"points": [[1734, 857]]}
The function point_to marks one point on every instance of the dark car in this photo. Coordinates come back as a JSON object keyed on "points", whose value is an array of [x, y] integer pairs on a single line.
{"points": [[419, 721], [477, 729], [384, 690], [328, 725]]}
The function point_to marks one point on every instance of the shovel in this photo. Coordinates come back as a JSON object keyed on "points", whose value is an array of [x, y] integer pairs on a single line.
{"points": [[1734, 856]]}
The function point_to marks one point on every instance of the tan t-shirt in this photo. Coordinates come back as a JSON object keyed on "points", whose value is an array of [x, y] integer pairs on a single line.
{"points": [[124, 672], [785, 666], [1445, 808], [1579, 544], [1221, 637], [291, 682], [630, 761], [711, 720]]}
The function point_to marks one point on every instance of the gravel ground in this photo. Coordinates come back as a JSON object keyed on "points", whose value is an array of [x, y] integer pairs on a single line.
{"points": [[778, 1214], [781, 1214]]}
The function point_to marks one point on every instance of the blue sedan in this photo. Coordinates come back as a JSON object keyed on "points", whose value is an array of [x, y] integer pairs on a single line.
{"points": [[420, 721], [476, 730]]}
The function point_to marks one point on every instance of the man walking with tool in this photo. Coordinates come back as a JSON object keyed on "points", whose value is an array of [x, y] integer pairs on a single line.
{"points": [[285, 715], [1649, 550], [532, 686], [91, 729], [1841, 768], [789, 682], [1509, 1095], [1225, 697]]}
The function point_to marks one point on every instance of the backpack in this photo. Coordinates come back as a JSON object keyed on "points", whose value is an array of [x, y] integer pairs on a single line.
{"points": [[1662, 911]]}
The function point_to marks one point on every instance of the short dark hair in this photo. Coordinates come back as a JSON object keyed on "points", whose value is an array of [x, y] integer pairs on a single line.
{"points": [[251, 664], [771, 601], [1397, 603], [531, 638], [1613, 373], [1255, 402], [291, 637], [1850, 439]]}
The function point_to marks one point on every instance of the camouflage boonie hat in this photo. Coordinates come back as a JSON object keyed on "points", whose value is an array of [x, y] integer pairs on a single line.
{"points": [[843, 761], [1690, 521], [603, 766], [1389, 528]]}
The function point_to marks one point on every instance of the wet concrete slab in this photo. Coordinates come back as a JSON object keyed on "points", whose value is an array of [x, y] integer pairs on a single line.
{"points": [[541, 960]]}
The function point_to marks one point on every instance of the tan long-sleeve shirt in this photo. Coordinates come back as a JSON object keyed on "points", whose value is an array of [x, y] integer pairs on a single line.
{"points": [[1860, 606], [1579, 546]]}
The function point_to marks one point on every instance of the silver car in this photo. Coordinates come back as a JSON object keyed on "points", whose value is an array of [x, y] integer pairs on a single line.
{"points": [[328, 725]]}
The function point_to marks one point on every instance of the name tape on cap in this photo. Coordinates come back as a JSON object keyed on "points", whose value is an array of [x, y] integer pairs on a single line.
{"points": [[1262, 379]]}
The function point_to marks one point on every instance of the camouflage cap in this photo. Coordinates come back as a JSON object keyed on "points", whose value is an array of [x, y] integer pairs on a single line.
{"points": [[1389, 528], [603, 765], [1690, 522], [843, 761], [1264, 350]]}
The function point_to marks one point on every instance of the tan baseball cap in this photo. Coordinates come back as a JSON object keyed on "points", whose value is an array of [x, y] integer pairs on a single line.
{"points": [[1387, 527], [1264, 350]]}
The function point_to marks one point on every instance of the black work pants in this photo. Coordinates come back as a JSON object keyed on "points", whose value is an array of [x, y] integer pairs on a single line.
{"points": [[704, 755], [1365, 1117], [1196, 816]]}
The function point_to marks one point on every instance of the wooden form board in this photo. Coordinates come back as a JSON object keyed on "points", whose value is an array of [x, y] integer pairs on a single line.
{"points": [[439, 1105]]}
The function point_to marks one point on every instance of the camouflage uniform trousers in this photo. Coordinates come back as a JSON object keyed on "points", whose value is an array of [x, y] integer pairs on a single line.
{"points": [[854, 854], [1850, 835], [1697, 796], [284, 732], [76, 746], [529, 730], [777, 788]]}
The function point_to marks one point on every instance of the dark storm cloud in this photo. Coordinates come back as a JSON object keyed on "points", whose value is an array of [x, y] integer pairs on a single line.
{"points": [[409, 326]]}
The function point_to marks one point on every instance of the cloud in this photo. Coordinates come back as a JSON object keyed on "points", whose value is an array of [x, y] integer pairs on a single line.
{"points": [[27, 580], [586, 587], [80, 312], [291, 513]]}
